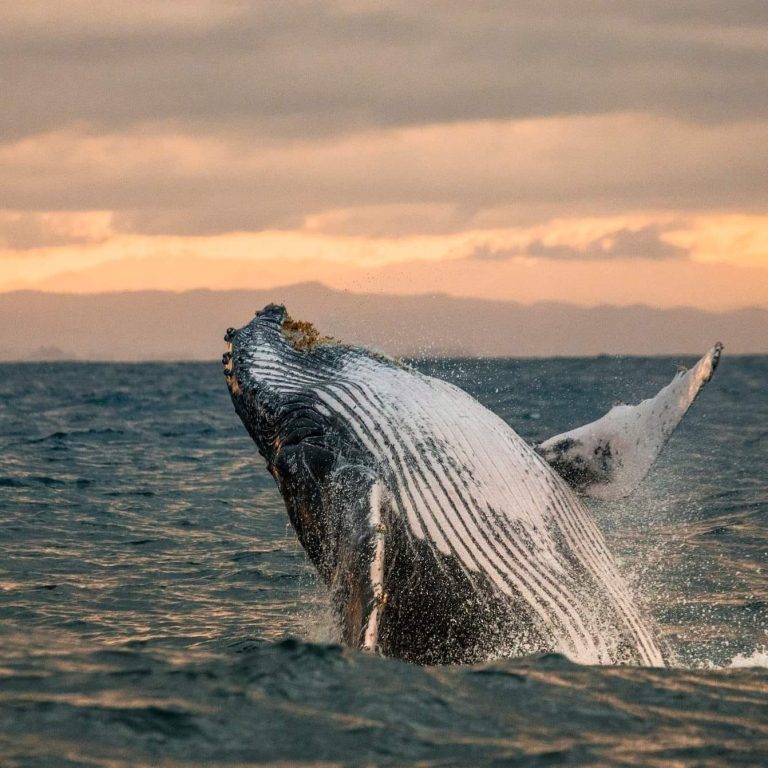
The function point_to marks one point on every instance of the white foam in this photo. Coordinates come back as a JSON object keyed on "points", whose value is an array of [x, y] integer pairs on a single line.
{"points": [[758, 658]]}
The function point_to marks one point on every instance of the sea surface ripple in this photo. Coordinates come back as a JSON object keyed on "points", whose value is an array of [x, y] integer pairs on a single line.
{"points": [[156, 609]]}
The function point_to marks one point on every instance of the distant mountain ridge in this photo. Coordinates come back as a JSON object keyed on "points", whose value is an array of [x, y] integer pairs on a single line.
{"points": [[159, 325]]}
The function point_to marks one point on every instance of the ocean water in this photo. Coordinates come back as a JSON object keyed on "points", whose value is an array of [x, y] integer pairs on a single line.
{"points": [[156, 609]]}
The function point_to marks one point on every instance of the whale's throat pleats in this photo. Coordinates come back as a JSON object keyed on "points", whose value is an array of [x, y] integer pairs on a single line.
{"points": [[608, 458]]}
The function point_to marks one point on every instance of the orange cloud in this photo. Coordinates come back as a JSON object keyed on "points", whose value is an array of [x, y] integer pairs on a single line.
{"points": [[475, 175]]}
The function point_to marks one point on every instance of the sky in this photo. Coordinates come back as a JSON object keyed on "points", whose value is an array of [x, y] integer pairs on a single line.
{"points": [[589, 151]]}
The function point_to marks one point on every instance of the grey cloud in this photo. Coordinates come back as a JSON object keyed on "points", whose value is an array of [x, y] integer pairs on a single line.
{"points": [[643, 243], [308, 67], [428, 181]]}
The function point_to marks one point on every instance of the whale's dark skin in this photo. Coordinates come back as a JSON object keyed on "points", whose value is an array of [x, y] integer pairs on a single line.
{"points": [[442, 536]]}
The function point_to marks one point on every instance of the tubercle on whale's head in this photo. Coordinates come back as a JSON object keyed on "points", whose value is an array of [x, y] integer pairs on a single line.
{"points": [[302, 335]]}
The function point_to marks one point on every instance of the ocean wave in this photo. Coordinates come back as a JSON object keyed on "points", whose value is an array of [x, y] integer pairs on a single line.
{"points": [[154, 610]]}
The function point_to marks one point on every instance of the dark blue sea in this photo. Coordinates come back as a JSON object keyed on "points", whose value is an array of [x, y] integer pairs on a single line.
{"points": [[156, 609]]}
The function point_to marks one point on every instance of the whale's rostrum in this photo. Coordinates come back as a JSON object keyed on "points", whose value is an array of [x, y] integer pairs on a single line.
{"points": [[441, 534]]}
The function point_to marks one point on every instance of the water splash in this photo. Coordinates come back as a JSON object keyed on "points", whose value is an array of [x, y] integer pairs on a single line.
{"points": [[758, 658]]}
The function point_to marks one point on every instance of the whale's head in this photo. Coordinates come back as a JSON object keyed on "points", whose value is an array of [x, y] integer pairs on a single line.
{"points": [[272, 365]]}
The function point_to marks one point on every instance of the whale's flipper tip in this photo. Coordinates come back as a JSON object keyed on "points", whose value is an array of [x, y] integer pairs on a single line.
{"points": [[608, 458], [717, 350]]}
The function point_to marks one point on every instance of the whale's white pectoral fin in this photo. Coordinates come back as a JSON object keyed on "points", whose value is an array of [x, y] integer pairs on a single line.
{"points": [[379, 531], [608, 458], [358, 577]]}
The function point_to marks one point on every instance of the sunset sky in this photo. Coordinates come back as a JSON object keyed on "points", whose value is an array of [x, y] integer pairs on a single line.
{"points": [[591, 151]]}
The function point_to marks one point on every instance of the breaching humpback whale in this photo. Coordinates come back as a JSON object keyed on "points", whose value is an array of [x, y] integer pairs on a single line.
{"points": [[442, 535]]}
